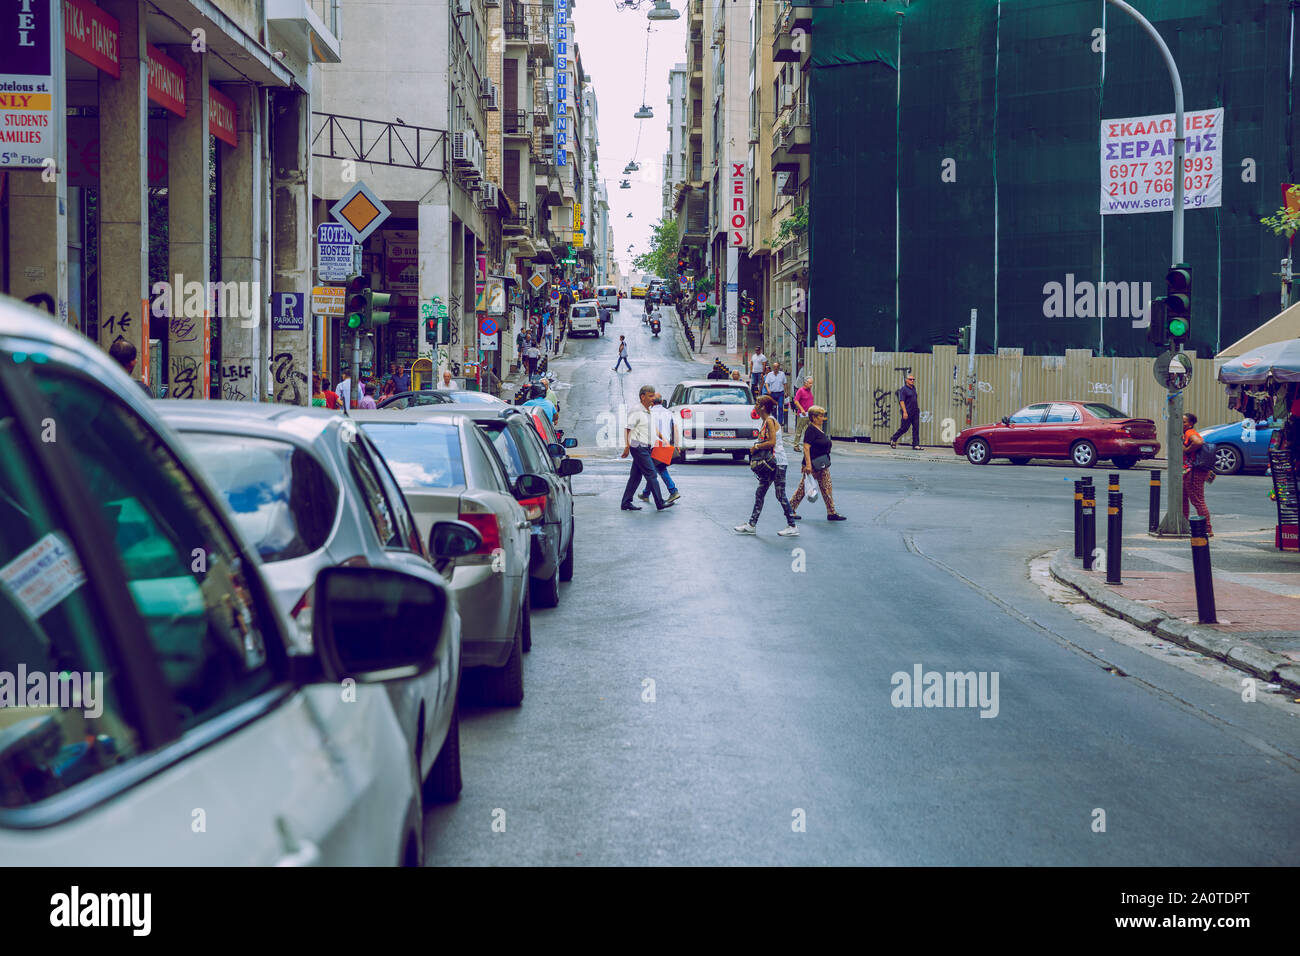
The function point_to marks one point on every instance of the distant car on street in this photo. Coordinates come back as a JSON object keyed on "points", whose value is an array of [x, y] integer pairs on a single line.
{"points": [[1081, 432], [584, 319], [714, 417], [638, 291], [607, 295], [1238, 448], [437, 396]]}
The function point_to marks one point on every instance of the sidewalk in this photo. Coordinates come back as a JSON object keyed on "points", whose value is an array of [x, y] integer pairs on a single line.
{"points": [[1256, 593]]}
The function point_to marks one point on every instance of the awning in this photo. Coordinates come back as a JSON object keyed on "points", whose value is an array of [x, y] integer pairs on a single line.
{"points": [[1284, 325], [1279, 361]]}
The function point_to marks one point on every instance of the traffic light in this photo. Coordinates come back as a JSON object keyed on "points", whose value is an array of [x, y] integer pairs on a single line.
{"points": [[377, 308], [356, 302], [431, 330], [963, 339], [1178, 304]]}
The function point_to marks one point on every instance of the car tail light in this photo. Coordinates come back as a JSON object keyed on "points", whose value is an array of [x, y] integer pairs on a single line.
{"points": [[487, 525], [753, 413], [686, 413], [533, 507]]}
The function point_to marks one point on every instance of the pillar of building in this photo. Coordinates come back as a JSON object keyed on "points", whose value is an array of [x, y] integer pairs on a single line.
{"points": [[291, 246], [189, 326], [124, 191], [457, 309], [434, 257], [243, 361]]}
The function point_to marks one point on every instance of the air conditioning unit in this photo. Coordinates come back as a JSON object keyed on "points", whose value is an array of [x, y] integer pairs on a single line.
{"points": [[488, 197], [484, 88], [494, 100], [491, 3], [462, 147], [464, 7]]}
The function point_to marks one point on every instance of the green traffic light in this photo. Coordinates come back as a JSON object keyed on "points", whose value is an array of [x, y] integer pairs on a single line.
{"points": [[1177, 328], [354, 320]]}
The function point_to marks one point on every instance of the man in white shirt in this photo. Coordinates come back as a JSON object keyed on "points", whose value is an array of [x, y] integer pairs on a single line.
{"points": [[449, 384], [636, 443], [756, 370], [775, 382], [344, 392], [661, 428]]}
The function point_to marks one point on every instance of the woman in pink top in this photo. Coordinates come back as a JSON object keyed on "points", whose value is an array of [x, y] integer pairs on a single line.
{"points": [[803, 400]]}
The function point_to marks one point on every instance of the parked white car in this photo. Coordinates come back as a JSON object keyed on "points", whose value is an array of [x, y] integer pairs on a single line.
{"points": [[183, 733], [714, 417], [584, 318]]}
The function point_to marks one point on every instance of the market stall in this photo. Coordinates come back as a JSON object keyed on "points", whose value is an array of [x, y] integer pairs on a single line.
{"points": [[1264, 385]]}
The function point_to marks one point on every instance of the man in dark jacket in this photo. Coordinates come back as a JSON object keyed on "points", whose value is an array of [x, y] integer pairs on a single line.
{"points": [[907, 401]]}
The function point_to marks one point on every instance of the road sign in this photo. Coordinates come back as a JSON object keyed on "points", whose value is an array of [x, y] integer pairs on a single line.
{"points": [[1173, 372], [327, 300], [701, 298], [334, 251], [487, 326], [826, 328], [744, 320], [287, 314], [555, 295], [537, 281], [361, 211]]}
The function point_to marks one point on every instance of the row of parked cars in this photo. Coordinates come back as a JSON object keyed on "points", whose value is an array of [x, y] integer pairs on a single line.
{"points": [[236, 632]]}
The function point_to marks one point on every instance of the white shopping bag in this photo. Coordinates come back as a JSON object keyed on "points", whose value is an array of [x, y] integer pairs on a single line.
{"points": [[810, 487]]}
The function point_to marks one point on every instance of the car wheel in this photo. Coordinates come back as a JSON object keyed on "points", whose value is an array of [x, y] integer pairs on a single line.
{"points": [[504, 686], [1124, 462], [546, 593], [1227, 460], [1019, 460], [444, 781], [978, 451], [566, 566], [1083, 454]]}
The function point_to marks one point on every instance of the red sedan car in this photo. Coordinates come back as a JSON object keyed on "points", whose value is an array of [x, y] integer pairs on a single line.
{"points": [[1081, 432]]}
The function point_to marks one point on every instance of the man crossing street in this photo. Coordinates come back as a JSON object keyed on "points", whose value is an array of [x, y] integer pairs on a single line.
{"points": [[907, 401], [637, 443]]}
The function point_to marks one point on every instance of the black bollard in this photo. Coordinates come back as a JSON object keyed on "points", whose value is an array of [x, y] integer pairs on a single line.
{"points": [[1113, 484], [1078, 518], [1114, 537], [1202, 573], [1089, 514], [1153, 517]]}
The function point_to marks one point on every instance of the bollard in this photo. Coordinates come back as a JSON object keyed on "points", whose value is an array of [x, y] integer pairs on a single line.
{"points": [[1202, 573], [1089, 514], [1153, 517], [1114, 537], [1113, 483], [1078, 518]]}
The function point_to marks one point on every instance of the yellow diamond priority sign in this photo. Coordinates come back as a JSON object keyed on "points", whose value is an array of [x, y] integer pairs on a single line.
{"points": [[361, 211], [537, 281]]}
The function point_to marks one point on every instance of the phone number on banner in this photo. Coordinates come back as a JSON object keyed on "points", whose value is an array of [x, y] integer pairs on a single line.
{"points": [[1137, 164]]}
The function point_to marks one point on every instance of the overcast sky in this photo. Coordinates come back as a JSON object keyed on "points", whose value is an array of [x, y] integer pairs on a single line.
{"points": [[613, 45]]}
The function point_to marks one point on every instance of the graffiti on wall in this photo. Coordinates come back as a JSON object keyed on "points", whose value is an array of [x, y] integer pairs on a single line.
{"points": [[290, 384]]}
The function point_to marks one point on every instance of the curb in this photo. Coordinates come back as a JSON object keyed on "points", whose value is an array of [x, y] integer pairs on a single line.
{"points": [[1249, 658]]}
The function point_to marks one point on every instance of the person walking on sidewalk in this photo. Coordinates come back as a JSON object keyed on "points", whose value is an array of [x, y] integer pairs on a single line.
{"points": [[637, 443], [803, 403], [661, 431], [907, 401], [774, 382], [756, 363], [531, 356], [1196, 469], [768, 461], [817, 462], [622, 354]]}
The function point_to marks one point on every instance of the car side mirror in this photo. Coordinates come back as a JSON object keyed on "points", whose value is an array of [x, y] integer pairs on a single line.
{"points": [[531, 486], [450, 540], [1006, 419], [376, 624], [570, 443], [555, 449], [570, 466]]}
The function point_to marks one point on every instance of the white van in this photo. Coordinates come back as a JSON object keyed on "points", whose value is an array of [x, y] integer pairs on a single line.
{"points": [[607, 296], [584, 318]]}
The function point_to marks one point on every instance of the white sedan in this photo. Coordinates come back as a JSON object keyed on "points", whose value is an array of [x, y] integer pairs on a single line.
{"points": [[714, 416]]}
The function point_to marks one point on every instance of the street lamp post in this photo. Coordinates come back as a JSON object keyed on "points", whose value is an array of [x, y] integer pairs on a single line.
{"points": [[1173, 522]]}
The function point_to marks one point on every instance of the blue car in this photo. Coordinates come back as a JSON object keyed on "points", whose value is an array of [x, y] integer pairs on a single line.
{"points": [[1239, 448]]}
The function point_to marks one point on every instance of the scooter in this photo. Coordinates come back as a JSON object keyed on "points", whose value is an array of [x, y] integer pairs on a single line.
{"points": [[654, 327]]}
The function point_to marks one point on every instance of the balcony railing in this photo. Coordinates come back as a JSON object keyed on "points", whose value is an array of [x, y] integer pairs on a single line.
{"points": [[519, 220], [515, 123], [516, 28]]}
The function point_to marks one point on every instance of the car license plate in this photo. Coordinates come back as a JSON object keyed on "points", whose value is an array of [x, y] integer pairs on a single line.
{"points": [[1148, 448], [726, 433]]}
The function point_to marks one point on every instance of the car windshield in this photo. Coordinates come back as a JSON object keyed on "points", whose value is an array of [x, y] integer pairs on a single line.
{"points": [[420, 455], [1104, 411], [413, 399], [282, 498], [583, 312], [474, 398], [718, 395]]}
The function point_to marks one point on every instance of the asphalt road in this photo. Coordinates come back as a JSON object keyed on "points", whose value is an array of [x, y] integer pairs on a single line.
{"points": [[698, 695]]}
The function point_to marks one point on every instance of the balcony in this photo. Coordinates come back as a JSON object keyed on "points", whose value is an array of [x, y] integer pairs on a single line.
{"points": [[516, 29], [802, 15], [791, 258], [515, 123], [540, 21], [786, 47], [697, 124], [518, 221], [793, 131], [697, 17]]}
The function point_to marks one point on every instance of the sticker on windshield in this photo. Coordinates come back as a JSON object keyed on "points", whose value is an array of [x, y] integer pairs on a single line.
{"points": [[43, 575]]}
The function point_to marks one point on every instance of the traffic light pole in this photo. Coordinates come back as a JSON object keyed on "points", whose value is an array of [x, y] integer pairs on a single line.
{"points": [[1173, 522]]}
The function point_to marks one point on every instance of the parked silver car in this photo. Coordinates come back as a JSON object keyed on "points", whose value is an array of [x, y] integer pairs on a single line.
{"points": [[449, 471], [309, 491]]}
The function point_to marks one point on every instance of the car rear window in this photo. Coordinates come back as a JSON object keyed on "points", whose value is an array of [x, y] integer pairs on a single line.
{"points": [[504, 442], [420, 455], [282, 498], [718, 395], [607, 290], [583, 312], [1105, 411]]}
